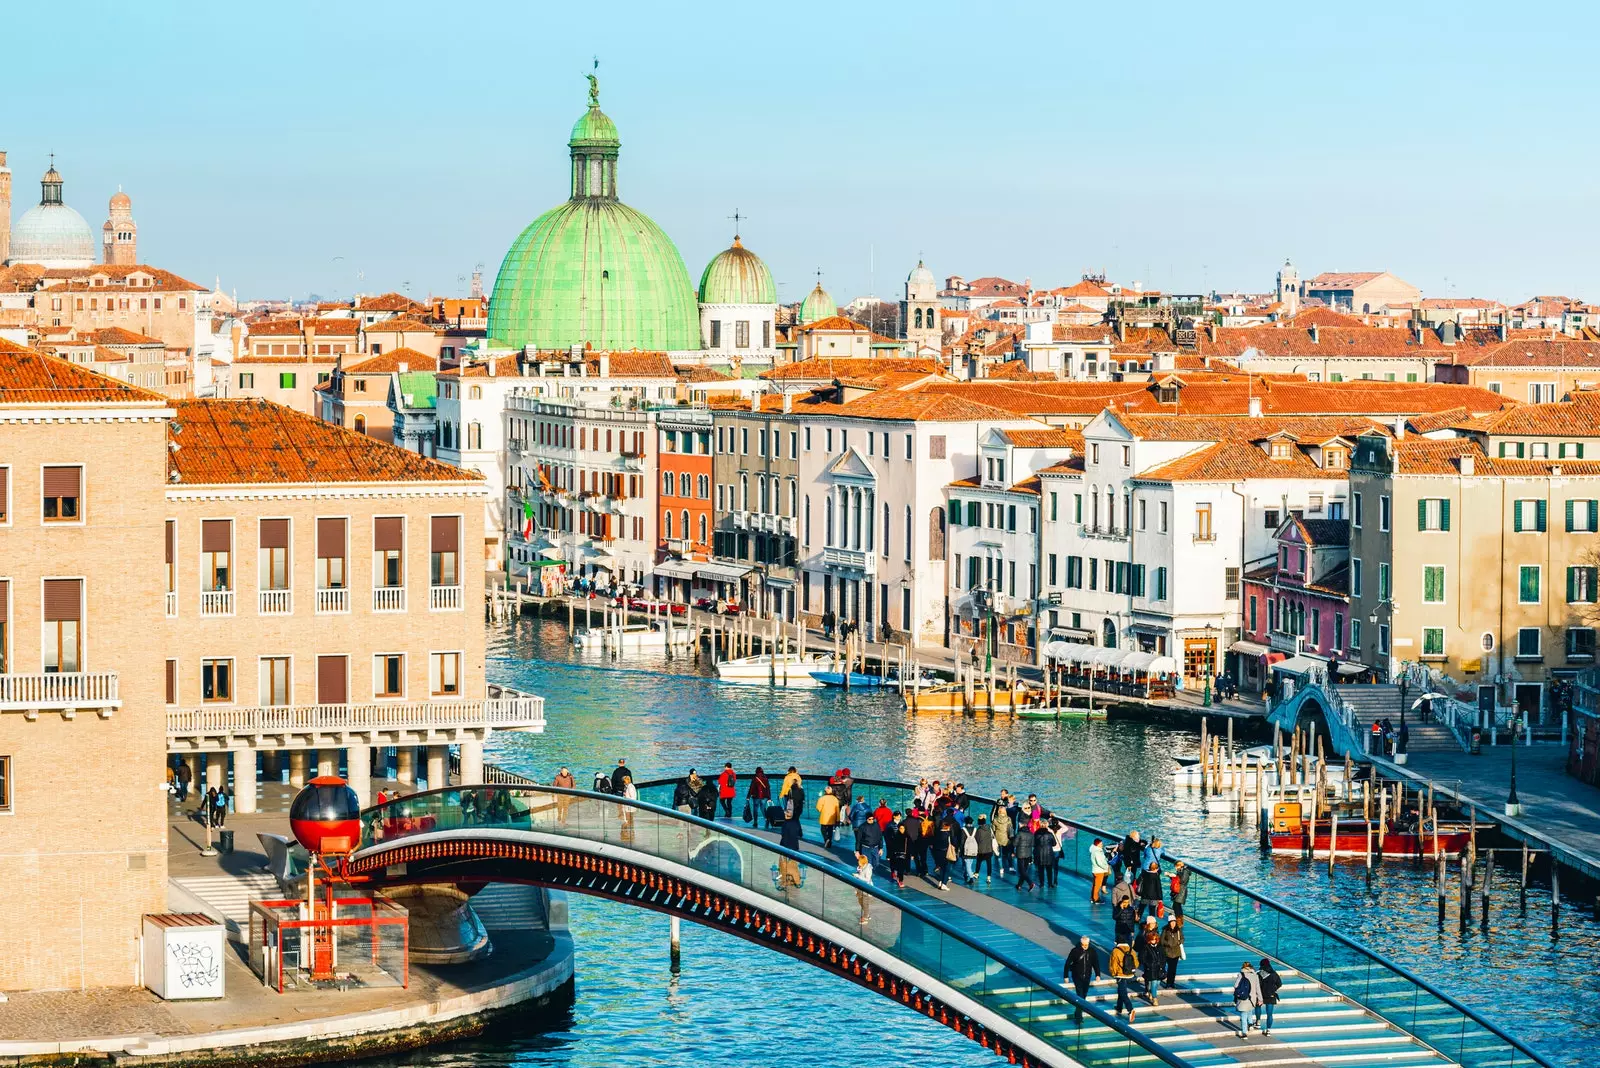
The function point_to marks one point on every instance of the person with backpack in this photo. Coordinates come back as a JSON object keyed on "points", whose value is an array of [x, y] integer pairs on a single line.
{"points": [[1003, 828], [685, 792], [757, 796], [1100, 868], [727, 789], [706, 799], [869, 840], [219, 806], [898, 849], [1023, 847], [1271, 982], [794, 800], [1247, 998], [859, 813], [602, 783], [1172, 951], [1125, 919], [969, 854], [983, 835], [1123, 965], [1050, 862], [911, 828], [1152, 961], [1082, 967], [927, 860], [828, 816], [621, 775], [945, 852], [1178, 886]]}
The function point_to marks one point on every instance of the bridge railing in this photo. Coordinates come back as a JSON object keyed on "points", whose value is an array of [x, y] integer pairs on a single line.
{"points": [[1271, 929], [1051, 1014]]}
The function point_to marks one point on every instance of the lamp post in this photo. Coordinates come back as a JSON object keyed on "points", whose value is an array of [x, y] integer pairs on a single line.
{"points": [[1513, 804], [905, 608], [1211, 664]]}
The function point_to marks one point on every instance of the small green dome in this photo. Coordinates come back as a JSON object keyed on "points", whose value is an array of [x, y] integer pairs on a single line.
{"points": [[594, 127], [737, 276], [817, 305]]}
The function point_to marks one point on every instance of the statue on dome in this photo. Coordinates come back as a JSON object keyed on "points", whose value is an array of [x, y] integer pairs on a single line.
{"points": [[594, 89]]}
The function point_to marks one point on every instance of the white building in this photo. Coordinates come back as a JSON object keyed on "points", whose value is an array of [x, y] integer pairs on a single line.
{"points": [[738, 308]]}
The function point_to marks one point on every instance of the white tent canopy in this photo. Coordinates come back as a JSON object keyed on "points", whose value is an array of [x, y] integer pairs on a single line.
{"points": [[1116, 660]]}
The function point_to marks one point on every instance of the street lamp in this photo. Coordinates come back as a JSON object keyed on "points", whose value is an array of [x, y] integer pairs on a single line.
{"points": [[1513, 805], [1211, 663], [1403, 737]]}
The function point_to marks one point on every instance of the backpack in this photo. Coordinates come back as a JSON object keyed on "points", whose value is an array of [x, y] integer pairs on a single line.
{"points": [[969, 848], [602, 783], [1241, 989], [927, 827]]}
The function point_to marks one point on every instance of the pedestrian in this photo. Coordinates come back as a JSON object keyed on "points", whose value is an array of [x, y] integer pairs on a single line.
{"points": [[727, 789], [916, 847], [1023, 847], [705, 799], [863, 875], [382, 798], [564, 779], [828, 816], [1049, 863], [1247, 998], [757, 797], [969, 853], [1271, 982], [944, 852], [1125, 919], [1122, 890], [1152, 960], [1153, 853], [1100, 868], [883, 814], [1179, 888], [219, 804], [185, 777], [791, 779], [1129, 853], [208, 804], [685, 792], [1082, 967], [984, 836], [859, 813], [1150, 892], [1122, 966], [602, 783], [869, 840], [1172, 951], [789, 868], [621, 775], [827, 625], [899, 850], [1002, 835]]}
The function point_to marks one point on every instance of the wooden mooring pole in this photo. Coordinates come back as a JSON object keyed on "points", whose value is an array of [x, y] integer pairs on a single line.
{"points": [[1465, 907], [1523, 890], [1439, 889], [1483, 904], [1555, 898]]}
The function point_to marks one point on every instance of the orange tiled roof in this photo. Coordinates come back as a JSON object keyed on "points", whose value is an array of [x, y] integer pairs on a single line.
{"points": [[297, 327], [699, 372], [74, 278], [1227, 461], [394, 302], [1085, 288], [823, 369], [1578, 416], [395, 326], [253, 442], [1017, 371], [389, 362], [116, 335], [635, 364], [28, 376], [1053, 438], [1537, 352], [834, 322]]}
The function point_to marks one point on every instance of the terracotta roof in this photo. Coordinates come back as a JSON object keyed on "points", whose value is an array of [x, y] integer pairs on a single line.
{"points": [[834, 322], [389, 302], [117, 276], [1017, 371], [1578, 416], [1341, 279], [1434, 456], [1028, 485], [825, 370], [1335, 582], [1092, 334], [297, 327], [634, 364], [1450, 419], [395, 326], [1085, 288], [1326, 532], [1053, 438], [1229, 461], [1305, 429], [233, 442], [31, 377], [1074, 466], [389, 362], [1536, 352], [20, 278], [699, 372], [116, 335]]}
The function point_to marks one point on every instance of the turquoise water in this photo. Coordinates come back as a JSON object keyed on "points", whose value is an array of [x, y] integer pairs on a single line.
{"points": [[736, 1004]]}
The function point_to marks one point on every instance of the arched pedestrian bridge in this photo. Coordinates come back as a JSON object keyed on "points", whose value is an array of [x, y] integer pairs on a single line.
{"points": [[986, 963]]}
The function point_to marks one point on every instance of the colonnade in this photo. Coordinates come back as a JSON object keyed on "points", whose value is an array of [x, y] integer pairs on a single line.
{"points": [[404, 763]]}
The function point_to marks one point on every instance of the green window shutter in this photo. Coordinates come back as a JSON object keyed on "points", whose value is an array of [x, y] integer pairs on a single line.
{"points": [[955, 513], [1422, 513], [1520, 447], [1502, 450], [1444, 514], [1538, 515], [1572, 584], [1570, 506], [1579, 447], [974, 513], [1594, 515], [1516, 516]]}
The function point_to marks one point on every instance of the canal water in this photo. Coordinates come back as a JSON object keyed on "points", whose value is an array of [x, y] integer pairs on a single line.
{"points": [[736, 1004]]}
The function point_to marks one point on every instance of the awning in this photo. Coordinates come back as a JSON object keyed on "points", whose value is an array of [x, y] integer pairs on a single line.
{"points": [[1299, 665], [545, 561], [721, 572], [1071, 634], [1111, 659], [1249, 648], [680, 569], [1351, 667]]}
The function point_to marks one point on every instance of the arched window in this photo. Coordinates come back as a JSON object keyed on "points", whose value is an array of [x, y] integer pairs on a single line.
{"points": [[1108, 632], [666, 523], [744, 493], [702, 528], [908, 532], [827, 520], [474, 435], [918, 317], [361, 424], [685, 526], [762, 485], [794, 498], [475, 393], [886, 529], [936, 520]]}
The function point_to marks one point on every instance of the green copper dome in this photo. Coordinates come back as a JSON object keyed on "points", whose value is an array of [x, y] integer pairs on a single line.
{"points": [[817, 305], [593, 270], [737, 276]]}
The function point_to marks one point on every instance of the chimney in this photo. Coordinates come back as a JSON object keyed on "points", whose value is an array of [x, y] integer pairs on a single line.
{"points": [[310, 328], [755, 402], [236, 333], [492, 361], [1255, 407], [1314, 339], [1500, 330], [404, 367], [788, 402], [1122, 329], [605, 365], [1399, 428], [1211, 333], [1467, 464]]}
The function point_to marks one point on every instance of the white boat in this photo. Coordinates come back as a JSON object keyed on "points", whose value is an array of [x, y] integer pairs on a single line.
{"points": [[787, 670], [630, 638], [1187, 773]]}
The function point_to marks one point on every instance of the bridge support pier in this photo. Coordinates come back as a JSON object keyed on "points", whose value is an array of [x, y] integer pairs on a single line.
{"points": [[297, 767], [471, 762], [358, 761], [244, 781], [438, 760], [405, 764]]}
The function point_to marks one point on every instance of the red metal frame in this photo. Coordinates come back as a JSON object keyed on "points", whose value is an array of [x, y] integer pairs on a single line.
{"points": [[371, 920]]}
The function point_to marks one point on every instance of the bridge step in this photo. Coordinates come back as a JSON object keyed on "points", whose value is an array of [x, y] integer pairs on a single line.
{"points": [[231, 895], [509, 907]]}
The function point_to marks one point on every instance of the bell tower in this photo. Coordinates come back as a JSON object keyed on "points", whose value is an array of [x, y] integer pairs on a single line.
{"points": [[1289, 289], [919, 311], [120, 234], [5, 210]]}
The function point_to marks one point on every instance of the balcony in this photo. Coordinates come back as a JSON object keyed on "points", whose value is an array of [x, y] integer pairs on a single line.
{"points": [[60, 692], [1108, 532], [275, 602], [1280, 642], [216, 602], [172, 604], [838, 559], [1204, 536], [388, 598], [333, 600], [444, 598], [214, 726]]}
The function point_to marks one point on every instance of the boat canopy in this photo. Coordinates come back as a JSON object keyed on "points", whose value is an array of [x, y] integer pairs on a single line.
{"points": [[1118, 660]]}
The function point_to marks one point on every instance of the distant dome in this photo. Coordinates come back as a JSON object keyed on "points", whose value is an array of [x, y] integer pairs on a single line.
{"points": [[121, 200], [919, 273], [817, 305], [51, 234], [737, 276]]}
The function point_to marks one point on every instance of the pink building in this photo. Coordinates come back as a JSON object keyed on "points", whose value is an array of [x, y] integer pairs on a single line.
{"points": [[1297, 607]]}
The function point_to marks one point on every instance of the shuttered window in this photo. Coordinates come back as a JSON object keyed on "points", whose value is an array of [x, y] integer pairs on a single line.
{"points": [[1583, 516], [5, 626], [1581, 582], [330, 554], [62, 639], [172, 682], [216, 558], [331, 680], [170, 548], [63, 492], [445, 556], [5, 494], [274, 554], [388, 538], [444, 674]]}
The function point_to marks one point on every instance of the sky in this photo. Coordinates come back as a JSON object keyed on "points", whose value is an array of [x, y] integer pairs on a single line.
{"points": [[342, 148]]}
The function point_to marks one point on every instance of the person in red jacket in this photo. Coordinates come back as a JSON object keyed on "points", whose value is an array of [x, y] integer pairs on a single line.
{"points": [[727, 786], [883, 814]]}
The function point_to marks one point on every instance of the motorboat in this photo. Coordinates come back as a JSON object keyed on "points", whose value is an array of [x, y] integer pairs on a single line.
{"points": [[1048, 710], [859, 680], [631, 637], [1290, 830], [952, 697], [790, 670]]}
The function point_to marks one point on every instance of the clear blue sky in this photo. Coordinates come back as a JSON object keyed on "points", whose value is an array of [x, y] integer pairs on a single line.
{"points": [[1451, 143]]}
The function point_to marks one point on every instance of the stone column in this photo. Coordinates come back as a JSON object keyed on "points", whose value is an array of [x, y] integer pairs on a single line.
{"points": [[271, 765], [438, 761], [297, 767], [193, 762], [471, 762], [405, 759], [327, 762], [244, 780], [358, 760], [216, 770]]}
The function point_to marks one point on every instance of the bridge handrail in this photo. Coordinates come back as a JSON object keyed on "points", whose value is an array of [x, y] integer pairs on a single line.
{"points": [[1086, 1055], [1078, 863]]}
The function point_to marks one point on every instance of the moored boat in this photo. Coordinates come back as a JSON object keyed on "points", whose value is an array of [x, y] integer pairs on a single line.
{"points": [[1290, 830], [953, 698], [632, 637], [786, 669]]}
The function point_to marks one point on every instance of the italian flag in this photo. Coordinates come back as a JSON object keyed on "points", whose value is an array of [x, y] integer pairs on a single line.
{"points": [[527, 521]]}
